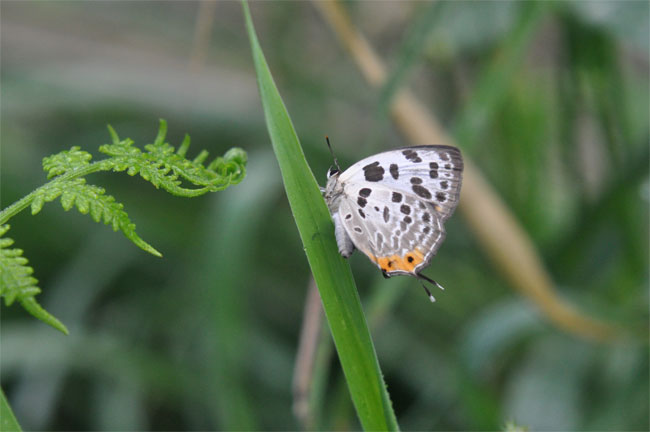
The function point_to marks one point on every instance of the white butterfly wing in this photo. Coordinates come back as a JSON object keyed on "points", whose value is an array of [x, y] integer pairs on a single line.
{"points": [[432, 173], [394, 204], [399, 232]]}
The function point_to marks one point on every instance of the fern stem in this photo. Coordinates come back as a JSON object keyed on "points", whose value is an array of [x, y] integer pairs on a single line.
{"points": [[27, 200]]}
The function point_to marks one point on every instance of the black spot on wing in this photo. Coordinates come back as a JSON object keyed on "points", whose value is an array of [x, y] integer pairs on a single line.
{"points": [[433, 173], [386, 215], [405, 209], [396, 197], [412, 156], [362, 201], [441, 197], [362, 214], [416, 180], [373, 172], [394, 171], [421, 191], [444, 184], [365, 192]]}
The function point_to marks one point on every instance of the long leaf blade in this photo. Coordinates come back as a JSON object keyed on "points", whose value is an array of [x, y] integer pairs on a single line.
{"points": [[331, 272], [8, 420]]}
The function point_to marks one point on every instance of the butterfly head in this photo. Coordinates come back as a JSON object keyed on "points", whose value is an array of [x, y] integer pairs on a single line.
{"points": [[333, 188], [333, 171]]}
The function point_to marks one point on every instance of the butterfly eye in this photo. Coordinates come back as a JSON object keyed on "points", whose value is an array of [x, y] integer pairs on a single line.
{"points": [[332, 171]]}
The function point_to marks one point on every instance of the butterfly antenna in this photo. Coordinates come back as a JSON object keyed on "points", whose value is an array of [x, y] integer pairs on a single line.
{"points": [[329, 146]]}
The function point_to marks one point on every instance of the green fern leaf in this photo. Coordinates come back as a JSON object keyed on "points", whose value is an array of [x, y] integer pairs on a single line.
{"points": [[159, 164], [66, 161], [37, 204], [166, 168], [93, 199], [17, 282]]}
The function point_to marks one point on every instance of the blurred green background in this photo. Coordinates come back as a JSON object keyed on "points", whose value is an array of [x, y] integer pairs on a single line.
{"points": [[549, 99]]}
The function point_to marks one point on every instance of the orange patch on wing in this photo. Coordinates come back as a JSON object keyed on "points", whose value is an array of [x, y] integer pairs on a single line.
{"points": [[405, 263]]}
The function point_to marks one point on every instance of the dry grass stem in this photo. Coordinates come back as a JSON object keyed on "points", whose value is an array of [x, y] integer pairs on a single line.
{"points": [[312, 324], [496, 229]]}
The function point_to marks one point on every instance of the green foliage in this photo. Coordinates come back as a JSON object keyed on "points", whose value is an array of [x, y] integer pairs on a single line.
{"points": [[209, 341], [331, 272], [17, 282], [91, 199], [160, 164], [8, 422], [15, 272], [166, 168]]}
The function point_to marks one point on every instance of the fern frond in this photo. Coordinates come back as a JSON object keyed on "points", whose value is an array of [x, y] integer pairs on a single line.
{"points": [[66, 161], [17, 282], [91, 199], [164, 167], [159, 164]]}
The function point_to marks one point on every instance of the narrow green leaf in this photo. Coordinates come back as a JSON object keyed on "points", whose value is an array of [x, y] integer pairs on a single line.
{"points": [[83, 204], [37, 204], [201, 157], [96, 211], [331, 272], [162, 133], [67, 200], [8, 422], [31, 305], [114, 137], [182, 150]]}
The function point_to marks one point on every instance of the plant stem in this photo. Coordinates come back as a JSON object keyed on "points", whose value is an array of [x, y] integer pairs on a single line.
{"points": [[27, 200]]}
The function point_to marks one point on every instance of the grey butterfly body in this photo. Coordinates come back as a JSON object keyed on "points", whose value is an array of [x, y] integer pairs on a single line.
{"points": [[392, 206]]}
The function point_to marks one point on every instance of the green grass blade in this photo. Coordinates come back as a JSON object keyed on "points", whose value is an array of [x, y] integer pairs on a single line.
{"points": [[8, 420], [331, 272]]}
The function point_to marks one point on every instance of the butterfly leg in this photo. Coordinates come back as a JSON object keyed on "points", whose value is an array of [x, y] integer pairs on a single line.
{"points": [[428, 279], [343, 240], [431, 297]]}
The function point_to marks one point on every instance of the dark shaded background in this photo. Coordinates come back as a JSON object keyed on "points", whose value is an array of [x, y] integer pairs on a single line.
{"points": [[553, 108]]}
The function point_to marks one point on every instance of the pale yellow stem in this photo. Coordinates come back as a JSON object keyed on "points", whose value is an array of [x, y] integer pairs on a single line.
{"points": [[496, 229]]}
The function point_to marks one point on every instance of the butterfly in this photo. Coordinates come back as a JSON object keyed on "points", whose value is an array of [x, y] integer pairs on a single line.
{"points": [[392, 206]]}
